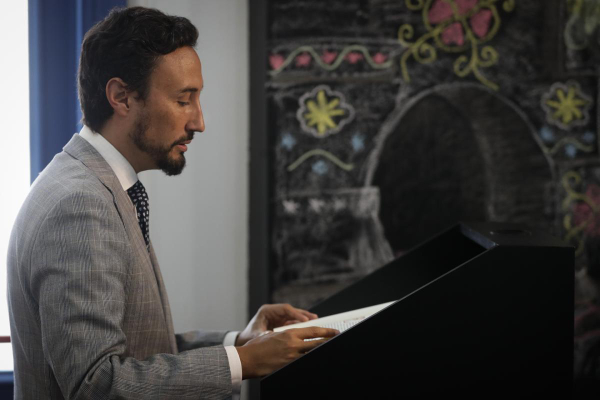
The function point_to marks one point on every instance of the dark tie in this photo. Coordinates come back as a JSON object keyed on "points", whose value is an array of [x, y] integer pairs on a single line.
{"points": [[140, 199]]}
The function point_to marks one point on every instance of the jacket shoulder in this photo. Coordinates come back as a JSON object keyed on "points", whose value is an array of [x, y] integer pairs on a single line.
{"points": [[63, 179]]}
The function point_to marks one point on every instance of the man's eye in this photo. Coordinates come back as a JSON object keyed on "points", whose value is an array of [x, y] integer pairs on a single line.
{"points": [[183, 103]]}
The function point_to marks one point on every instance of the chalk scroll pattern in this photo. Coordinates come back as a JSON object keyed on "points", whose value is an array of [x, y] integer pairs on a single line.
{"points": [[566, 105], [323, 112], [582, 210], [571, 146], [317, 167], [583, 20], [581, 36], [455, 26], [328, 59]]}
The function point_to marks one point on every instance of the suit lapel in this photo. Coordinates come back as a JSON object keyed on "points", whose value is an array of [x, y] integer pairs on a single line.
{"points": [[80, 149]]}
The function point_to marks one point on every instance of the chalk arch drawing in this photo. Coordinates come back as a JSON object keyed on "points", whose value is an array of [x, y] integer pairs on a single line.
{"points": [[514, 185]]}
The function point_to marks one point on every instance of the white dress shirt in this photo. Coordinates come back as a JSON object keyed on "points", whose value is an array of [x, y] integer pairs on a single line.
{"points": [[128, 177]]}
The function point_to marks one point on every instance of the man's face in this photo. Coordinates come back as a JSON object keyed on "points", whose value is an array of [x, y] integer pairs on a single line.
{"points": [[171, 112]]}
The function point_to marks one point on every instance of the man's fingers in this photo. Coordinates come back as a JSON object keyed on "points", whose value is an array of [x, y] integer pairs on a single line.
{"points": [[285, 312], [308, 314], [315, 332], [305, 313], [311, 344], [296, 313]]}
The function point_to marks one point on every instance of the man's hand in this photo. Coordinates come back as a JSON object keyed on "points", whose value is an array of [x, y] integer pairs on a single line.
{"points": [[272, 316], [267, 353]]}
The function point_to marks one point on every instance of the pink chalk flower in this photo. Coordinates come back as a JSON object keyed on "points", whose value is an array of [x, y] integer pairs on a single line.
{"points": [[479, 22], [354, 57], [379, 58], [584, 213], [329, 56], [276, 60], [303, 60], [453, 34]]}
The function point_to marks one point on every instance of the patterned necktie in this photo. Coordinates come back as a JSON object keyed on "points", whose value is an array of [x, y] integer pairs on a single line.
{"points": [[140, 199]]}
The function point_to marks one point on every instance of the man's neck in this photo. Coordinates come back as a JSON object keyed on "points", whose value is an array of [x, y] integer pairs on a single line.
{"points": [[118, 135], [117, 162]]}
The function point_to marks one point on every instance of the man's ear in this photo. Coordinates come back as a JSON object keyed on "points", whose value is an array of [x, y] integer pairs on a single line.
{"points": [[118, 96]]}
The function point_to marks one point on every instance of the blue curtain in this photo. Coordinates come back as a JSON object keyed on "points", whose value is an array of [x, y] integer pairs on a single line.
{"points": [[56, 29]]}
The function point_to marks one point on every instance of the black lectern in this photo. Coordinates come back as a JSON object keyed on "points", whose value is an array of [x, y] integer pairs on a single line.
{"points": [[483, 310]]}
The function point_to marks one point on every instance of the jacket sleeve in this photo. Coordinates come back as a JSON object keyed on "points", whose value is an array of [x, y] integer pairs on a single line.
{"points": [[79, 284], [199, 338]]}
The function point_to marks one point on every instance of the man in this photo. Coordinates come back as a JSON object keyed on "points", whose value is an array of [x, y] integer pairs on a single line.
{"points": [[89, 312]]}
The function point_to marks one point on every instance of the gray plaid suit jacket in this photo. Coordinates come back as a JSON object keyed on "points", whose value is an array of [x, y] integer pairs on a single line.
{"points": [[89, 313]]}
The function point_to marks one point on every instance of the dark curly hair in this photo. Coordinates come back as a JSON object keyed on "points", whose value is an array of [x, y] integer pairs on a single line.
{"points": [[126, 44]]}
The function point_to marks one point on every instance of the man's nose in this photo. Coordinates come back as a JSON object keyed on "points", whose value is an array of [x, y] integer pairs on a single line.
{"points": [[197, 123]]}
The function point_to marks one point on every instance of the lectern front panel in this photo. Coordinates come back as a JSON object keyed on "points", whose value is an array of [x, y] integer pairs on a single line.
{"points": [[479, 315]]}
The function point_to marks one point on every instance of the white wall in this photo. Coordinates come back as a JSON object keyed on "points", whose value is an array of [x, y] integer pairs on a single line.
{"points": [[199, 220], [14, 163]]}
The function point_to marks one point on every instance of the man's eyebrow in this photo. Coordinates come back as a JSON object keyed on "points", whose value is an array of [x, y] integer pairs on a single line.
{"points": [[189, 89]]}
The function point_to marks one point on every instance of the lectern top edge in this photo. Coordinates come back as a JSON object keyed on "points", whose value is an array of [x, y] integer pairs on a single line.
{"points": [[491, 234]]}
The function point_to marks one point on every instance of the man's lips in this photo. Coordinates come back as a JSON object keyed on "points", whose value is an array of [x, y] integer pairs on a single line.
{"points": [[183, 145]]}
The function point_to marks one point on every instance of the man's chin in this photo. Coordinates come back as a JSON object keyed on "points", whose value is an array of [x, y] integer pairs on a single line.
{"points": [[172, 166], [172, 171]]}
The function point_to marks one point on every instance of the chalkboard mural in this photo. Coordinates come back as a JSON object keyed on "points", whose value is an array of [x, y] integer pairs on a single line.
{"points": [[391, 120], [582, 35]]}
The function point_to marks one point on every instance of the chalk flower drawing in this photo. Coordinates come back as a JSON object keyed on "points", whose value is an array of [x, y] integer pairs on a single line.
{"points": [[454, 26], [290, 206], [316, 205], [323, 111], [587, 214], [339, 204], [358, 142], [303, 60], [582, 211], [320, 167], [287, 141], [566, 105]]}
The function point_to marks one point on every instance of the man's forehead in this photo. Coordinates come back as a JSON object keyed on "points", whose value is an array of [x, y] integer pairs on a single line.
{"points": [[180, 70]]}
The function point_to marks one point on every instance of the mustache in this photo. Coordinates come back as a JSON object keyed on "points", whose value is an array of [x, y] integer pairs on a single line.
{"points": [[188, 137]]}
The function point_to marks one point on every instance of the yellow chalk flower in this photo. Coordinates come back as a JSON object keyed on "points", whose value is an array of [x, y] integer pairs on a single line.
{"points": [[322, 111], [567, 105]]}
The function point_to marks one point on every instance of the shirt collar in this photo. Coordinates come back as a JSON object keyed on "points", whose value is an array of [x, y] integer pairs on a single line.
{"points": [[119, 164]]}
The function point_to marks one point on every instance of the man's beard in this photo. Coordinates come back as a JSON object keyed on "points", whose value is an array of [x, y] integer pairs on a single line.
{"points": [[160, 155]]}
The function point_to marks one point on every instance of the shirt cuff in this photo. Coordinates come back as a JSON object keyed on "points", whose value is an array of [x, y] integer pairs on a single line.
{"points": [[230, 338], [236, 369]]}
